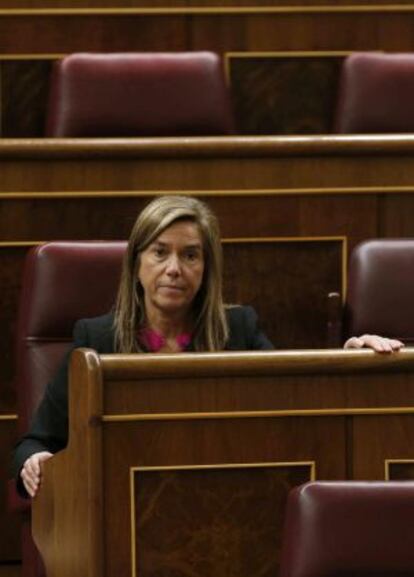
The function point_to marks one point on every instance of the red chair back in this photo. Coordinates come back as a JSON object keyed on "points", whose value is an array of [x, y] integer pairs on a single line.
{"points": [[139, 94], [62, 282], [376, 93], [380, 289], [349, 529]]}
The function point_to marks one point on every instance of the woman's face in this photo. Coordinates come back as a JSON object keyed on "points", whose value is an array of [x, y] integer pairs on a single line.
{"points": [[171, 269]]}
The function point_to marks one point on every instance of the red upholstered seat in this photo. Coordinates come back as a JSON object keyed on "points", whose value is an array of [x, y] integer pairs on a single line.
{"points": [[376, 93], [349, 529], [139, 94], [62, 282], [380, 289]]}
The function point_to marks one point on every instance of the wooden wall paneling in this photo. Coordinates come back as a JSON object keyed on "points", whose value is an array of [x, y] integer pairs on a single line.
{"points": [[399, 469], [76, 217], [221, 29], [284, 93], [393, 440], [172, 5], [24, 92], [302, 28], [353, 215], [394, 215], [226, 495], [42, 33], [294, 442], [358, 187], [284, 164], [287, 281], [71, 218]]}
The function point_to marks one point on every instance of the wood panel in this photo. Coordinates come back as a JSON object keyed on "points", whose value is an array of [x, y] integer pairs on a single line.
{"points": [[59, 33], [287, 282], [362, 27], [283, 93], [399, 469], [226, 417], [191, 5], [318, 164], [330, 186], [167, 533], [24, 93]]}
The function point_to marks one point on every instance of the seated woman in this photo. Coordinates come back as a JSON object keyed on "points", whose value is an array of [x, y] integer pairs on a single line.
{"points": [[169, 300]]}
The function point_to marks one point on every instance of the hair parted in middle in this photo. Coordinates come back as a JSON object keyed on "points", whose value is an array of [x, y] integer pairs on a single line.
{"points": [[210, 325]]}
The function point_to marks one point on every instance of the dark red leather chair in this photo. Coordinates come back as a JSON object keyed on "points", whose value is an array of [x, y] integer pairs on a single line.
{"points": [[349, 529], [62, 282], [376, 93], [139, 94], [380, 289]]}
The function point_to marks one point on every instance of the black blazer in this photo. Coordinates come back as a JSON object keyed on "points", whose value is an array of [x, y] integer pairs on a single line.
{"points": [[49, 429]]}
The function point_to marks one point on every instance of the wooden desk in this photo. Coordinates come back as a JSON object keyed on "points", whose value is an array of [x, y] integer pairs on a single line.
{"points": [[259, 186], [182, 463]]}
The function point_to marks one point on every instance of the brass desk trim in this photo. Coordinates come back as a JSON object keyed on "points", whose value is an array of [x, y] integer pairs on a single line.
{"points": [[338, 412]]}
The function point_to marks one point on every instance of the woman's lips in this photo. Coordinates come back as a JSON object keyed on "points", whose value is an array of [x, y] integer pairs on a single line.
{"points": [[174, 288]]}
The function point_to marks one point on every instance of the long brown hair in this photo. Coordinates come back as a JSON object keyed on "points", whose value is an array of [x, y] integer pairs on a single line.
{"points": [[210, 326]]}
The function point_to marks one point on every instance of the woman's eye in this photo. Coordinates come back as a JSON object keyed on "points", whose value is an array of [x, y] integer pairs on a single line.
{"points": [[192, 256], [159, 252]]}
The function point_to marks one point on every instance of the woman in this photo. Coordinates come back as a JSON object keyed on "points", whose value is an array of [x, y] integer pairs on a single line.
{"points": [[169, 301]]}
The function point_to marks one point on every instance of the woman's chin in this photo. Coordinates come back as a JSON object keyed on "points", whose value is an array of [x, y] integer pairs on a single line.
{"points": [[173, 306]]}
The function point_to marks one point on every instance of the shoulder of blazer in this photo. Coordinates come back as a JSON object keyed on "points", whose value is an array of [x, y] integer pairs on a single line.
{"points": [[244, 330], [96, 333], [241, 320]]}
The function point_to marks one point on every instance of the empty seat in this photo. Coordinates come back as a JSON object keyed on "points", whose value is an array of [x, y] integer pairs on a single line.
{"points": [[139, 94], [380, 289], [349, 529], [62, 282], [376, 93]]}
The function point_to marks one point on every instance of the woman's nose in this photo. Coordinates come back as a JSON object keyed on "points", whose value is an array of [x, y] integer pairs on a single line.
{"points": [[173, 265]]}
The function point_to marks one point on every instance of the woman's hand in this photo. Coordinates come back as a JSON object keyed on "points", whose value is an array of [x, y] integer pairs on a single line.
{"points": [[375, 342], [31, 472]]}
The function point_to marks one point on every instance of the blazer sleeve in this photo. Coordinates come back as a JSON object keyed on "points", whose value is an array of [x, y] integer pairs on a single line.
{"points": [[245, 332], [49, 427], [258, 341]]}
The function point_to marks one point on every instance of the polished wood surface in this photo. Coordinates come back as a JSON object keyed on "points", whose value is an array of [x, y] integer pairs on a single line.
{"points": [[207, 6], [347, 26], [148, 430], [294, 186]]}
